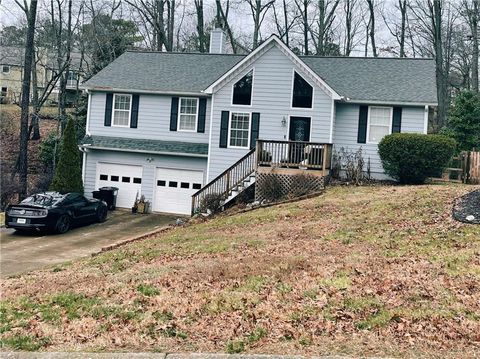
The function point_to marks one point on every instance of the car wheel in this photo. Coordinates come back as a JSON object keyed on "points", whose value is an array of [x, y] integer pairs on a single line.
{"points": [[101, 214], [63, 224]]}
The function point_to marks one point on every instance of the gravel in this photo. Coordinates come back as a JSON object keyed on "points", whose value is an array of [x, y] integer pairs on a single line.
{"points": [[467, 208]]}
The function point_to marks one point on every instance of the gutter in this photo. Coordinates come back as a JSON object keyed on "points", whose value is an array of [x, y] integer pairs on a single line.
{"points": [[395, 103], [85, 147], [153, 92]]}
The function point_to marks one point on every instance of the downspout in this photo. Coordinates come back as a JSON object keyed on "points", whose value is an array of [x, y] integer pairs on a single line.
{"points": [[332, 121], [84, 162], [210, 138], [425, 120], [87, 124]]}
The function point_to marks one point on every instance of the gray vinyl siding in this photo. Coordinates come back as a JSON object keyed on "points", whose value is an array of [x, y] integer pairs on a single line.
{"points": [[129, 158], [153, 120], [272, 98], [346, 130]]}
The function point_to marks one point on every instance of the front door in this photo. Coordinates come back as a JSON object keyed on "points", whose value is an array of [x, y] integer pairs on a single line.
{"points": [[299, 129]]}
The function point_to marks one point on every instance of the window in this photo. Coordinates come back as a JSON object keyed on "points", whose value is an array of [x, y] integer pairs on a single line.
{"points": [[126, 179], [184, 185], [161, 183], [379, 123], [172, 184], [196, 185], [103, 178], [71, 79], [137, 180], [239, 130], [114, 178], [6, 69], [242, 90], [121, 110], [302, 92], [4, 92], [188, 114]]}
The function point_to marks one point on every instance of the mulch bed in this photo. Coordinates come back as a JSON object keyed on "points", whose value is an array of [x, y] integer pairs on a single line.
{"points": [[467, 206]]}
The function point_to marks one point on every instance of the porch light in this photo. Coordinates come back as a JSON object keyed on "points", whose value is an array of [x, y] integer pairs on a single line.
{"points": [[149, 159], [284, 121]]}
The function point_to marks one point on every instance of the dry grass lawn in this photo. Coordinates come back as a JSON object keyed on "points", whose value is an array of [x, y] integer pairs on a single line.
{"points": [[358, 270]]}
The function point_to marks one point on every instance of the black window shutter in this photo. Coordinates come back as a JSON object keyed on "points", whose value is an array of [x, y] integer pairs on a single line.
{"points": [[108, 110], [224, 129], [174, 114], [134, 118], [397, 120], [202, 111], [255, 129], [362, 124]]}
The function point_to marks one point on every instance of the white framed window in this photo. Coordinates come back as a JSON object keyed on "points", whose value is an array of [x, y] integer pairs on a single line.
{"points": [[5, 69], [122, 108], [71, 78], [239, 130], [188, 114], [379, 123]]}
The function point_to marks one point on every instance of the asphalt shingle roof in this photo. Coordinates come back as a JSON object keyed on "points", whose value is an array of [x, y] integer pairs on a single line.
{"points": [[163, 71], [361, 79], [149, 146]]}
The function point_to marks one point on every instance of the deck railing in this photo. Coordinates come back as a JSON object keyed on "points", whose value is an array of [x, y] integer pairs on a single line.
{"points": [[294, 154], [227, 181]]}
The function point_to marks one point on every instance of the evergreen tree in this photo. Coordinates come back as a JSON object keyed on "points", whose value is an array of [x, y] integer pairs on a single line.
{"points": [[68, 172], [464, 121]]}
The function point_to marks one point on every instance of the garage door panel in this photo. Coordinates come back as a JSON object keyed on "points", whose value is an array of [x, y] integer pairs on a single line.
{"points": [[174, 189], [127, 178]]}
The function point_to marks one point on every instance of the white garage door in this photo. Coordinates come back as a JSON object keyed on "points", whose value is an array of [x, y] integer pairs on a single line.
{"points": [[174, 189], [127, 178]]}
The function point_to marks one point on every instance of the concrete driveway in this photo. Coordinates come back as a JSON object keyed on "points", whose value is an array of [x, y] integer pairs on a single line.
{"points": [[22, 253]]}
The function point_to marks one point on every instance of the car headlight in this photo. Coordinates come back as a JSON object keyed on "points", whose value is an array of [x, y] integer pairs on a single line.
{"points": [[43, 213]]}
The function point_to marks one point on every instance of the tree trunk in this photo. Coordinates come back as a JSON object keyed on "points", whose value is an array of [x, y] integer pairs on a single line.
{"points": [[403, 10], [371, 9], [34, 124], [474, 26], [27, 73], [200, 26], [436, 18], [223, 23]]}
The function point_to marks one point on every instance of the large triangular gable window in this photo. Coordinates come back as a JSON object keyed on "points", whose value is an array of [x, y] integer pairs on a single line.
{"points": [[302, 92], [242, 90]]}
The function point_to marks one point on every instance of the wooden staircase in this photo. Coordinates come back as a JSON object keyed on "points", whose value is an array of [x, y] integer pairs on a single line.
{"points": [[229, 183]]}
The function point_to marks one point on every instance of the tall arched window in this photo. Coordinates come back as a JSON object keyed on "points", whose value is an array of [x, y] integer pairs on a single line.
{"points": [[242, 90], [302, 92]]}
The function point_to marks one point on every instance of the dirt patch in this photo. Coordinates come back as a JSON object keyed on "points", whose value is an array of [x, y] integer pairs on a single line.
{"points": [[378, 271], [467, 208]]}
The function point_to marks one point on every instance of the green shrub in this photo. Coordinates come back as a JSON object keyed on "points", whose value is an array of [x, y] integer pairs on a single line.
{"points": [[412, 157]]}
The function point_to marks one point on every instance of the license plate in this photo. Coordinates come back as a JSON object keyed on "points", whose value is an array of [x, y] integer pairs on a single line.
{"points": [[21, 220]]}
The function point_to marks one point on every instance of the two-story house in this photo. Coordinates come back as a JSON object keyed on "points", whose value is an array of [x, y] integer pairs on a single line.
{"points": [[165, 125]]}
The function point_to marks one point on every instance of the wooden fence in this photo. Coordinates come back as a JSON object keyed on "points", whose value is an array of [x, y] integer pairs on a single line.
{"points": [[463, 168]]}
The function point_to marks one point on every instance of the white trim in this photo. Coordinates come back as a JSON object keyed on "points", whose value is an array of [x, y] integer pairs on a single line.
{"points": [[425, 120], [181, 154], [129, 110], [251, 98], [129, 91], [84, 163], [288, 126], [210, 136], [275, 40], [291, 92], [368, 123], [179, 113], [248, 131], [332, 121], [387, 103], [89, 106]]}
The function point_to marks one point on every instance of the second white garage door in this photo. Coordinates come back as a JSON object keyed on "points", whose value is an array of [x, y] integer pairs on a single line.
{"points": [[174, 189], [127, 178]]}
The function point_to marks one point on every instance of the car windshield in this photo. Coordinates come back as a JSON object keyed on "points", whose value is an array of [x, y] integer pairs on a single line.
{"points": [[43, 199]]}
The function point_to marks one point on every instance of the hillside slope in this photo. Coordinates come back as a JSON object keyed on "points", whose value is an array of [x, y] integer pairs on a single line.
{"points": [[358, 270]]}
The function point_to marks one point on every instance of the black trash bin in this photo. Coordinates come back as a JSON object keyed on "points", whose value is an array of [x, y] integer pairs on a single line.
{"points": [[109, 195]]}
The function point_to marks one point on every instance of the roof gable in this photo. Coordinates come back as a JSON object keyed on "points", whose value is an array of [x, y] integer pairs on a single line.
{"points": [[257, 53]]}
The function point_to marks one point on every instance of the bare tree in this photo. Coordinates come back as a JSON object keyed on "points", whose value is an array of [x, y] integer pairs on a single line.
{"points": [[471, 12], [258, 10], [352, 25], [285, 23], [22, 162], [221, 21], [303, 7], [326, 15], [152, 15], [398, 30], [202, 43], [371, 27]]}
